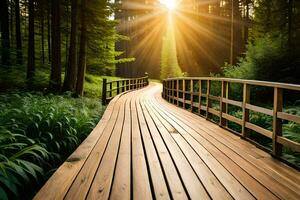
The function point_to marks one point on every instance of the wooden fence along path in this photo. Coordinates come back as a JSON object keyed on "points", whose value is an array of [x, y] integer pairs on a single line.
{"points": [[147, 148]]}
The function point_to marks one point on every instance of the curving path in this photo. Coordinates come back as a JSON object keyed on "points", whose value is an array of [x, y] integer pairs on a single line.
{"points": [[146, 148]]}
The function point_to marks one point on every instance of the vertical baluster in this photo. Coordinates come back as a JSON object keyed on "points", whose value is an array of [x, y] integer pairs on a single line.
{"points": [[246, 100], [192, 94], [223, 106], [177, 91], [110, 89], [277, 125], [173, 91], [200, 96], [123, 86], [118, 87], [208, 101], [183, 93], [104, 91]]}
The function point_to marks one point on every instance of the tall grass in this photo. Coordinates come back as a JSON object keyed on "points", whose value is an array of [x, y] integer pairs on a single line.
{"points": [[37, 133]]}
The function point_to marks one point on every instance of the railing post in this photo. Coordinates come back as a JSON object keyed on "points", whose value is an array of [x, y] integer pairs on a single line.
{"points": [[104, 91], [277, 126], [169, 90], [200, 96], [173, 91], [208, 102], [118, 87], [123, 86], [246, 100], [110, 89], [177, 91], [146, 79], [223, 106], [183, 93], [192, 94]]}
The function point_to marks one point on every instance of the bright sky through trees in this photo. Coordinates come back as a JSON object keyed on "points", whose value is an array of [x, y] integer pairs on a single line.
{"points": [[170, 4]]}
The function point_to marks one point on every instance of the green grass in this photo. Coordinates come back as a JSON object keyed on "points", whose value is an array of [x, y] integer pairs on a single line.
{"points": [[93, 85], [37, 133]]}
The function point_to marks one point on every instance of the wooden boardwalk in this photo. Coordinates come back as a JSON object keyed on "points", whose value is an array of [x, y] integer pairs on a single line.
{"points": [[146, 148]]}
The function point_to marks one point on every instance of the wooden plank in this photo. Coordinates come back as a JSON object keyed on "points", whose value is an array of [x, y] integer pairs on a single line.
{"points": [[280, 190], [141, 185], [177, 91], [208, 102], [212, 97], [121, 182], [58, 184], [171, 174], [156, 173], [213, 186], [231, 184], [192, 95], [286, 176], [288, 143], [289, 117], [101, 184], [199, 97], [233, 102], [251, 184], [246, 100], [183, 93], [232, 118], [192, 184], [259, 129], [277, 126], [259, 109], [249, 82], [81, 184], [213, 111]]}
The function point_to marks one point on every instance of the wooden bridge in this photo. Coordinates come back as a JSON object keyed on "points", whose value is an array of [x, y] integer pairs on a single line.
{"points": [[147, 148]]}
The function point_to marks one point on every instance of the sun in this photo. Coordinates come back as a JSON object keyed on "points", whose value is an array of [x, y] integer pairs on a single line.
{"points": [[169, 4]]}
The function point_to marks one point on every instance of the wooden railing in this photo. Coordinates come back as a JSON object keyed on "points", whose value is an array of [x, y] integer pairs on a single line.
{"points": [[189, 93], [115, 87]]}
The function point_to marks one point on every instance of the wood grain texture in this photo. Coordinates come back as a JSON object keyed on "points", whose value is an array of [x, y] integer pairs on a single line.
{"points": [[147, 148]]}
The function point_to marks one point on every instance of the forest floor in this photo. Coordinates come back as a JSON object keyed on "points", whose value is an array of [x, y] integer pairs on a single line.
{"points": [[39, 130]]}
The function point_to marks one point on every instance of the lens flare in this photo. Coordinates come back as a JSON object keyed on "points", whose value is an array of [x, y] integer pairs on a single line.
{"points": [[169, 4]]}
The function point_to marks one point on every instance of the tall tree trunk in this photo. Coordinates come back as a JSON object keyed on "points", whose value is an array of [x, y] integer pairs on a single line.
{"points": [[31, 53], [290, 22], [82, 51], [5, 44], [70, 76], [42, 39], [18, 33], [11, 22], [246, 27], [232, 33], [49, 31], [55, 77], [67, 30]]}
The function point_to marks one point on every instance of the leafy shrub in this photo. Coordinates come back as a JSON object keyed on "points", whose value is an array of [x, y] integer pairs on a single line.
{"points": [[38, 133], [267, 59]]}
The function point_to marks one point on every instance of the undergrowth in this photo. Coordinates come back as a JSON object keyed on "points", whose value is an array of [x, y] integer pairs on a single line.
{"points": [[37, 133]]}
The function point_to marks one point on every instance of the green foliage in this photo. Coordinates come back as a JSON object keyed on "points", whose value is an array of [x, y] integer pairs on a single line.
{"points": [[290, 130], [266, 59], [37, 133], [169, 63], [93, 85]]}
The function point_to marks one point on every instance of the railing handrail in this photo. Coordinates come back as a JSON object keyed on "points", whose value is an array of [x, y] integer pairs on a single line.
{"points": [[122, 85], [288, 86], [126, 79], [176, 91]]}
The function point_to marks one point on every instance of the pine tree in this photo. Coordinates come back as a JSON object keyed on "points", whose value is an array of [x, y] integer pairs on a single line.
{"points": [[55, 77]]}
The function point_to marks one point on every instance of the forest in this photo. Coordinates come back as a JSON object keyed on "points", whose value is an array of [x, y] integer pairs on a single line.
{"points": [[54, 55]]}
